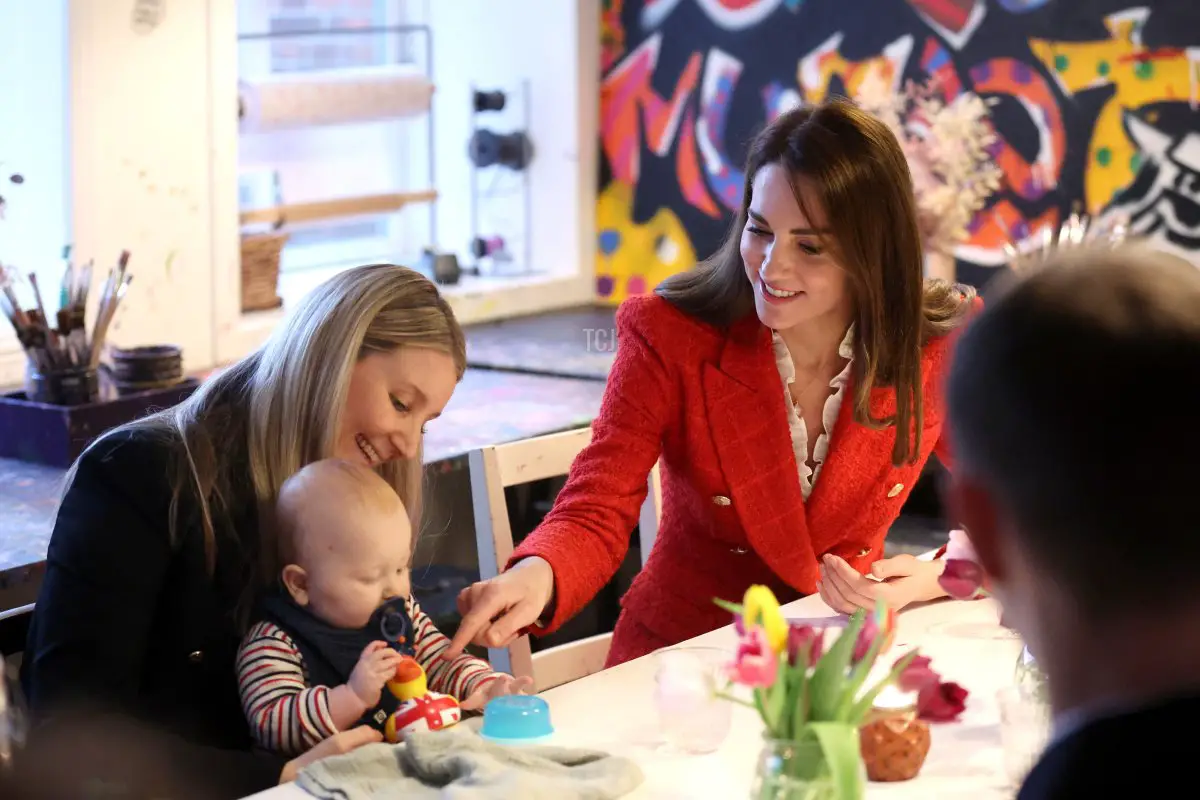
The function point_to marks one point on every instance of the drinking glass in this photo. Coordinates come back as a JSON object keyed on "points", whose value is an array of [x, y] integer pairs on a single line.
{"points": [[1024, 731], [692, 718]]}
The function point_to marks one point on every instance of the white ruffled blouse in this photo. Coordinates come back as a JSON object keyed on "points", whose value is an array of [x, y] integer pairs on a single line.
{"points": [[829, 414]]}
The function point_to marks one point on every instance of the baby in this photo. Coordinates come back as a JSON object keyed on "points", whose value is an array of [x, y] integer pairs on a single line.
{"points": [[337, 627]]}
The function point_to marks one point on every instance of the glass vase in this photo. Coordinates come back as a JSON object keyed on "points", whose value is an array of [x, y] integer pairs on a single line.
{"points": [[798, 770], [1029, 678]]}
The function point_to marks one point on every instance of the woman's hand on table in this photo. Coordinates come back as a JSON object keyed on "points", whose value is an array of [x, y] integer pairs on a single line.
{"points": [[899, 581], [495, 611], [335, 745]]}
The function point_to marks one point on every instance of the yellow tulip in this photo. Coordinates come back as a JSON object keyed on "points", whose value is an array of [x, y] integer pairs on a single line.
{"points": [[760, 606]]}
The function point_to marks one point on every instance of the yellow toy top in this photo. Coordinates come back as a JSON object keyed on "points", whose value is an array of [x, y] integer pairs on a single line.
{"points": [[409, 682]]}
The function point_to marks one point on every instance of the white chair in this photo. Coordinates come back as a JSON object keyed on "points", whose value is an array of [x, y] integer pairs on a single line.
{"points": [[497, 467]]}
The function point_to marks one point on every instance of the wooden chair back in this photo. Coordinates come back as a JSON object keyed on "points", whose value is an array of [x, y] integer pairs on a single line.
{"points": [[492, 470]]}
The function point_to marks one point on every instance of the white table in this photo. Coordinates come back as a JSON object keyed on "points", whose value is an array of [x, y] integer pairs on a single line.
{"points": [[614, 711]]}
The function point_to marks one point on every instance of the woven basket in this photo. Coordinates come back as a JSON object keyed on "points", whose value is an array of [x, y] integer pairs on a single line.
{"points": [[260, 270]]}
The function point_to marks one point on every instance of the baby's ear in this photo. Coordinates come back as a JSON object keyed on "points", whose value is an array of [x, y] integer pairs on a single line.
{"points": [[296, 580]]}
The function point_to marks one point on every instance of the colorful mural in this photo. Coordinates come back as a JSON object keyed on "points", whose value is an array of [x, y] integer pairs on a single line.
{"points": [[629, 254], [1095, 105]]}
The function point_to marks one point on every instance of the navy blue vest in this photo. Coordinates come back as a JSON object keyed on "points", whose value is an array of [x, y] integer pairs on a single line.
{"points": [[330, 654]]}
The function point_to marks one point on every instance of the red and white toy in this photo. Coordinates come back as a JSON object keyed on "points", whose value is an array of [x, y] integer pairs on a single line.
{"points": [[420, 709]]}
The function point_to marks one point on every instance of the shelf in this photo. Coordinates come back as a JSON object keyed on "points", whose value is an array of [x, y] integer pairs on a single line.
{"points": [[295, 213]]}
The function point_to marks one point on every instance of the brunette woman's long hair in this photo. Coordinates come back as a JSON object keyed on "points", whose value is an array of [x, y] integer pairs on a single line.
{"points": [[858, 175]]}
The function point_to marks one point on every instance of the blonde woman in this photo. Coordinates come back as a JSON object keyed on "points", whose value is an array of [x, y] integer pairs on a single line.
{"points": [[156, 558]]}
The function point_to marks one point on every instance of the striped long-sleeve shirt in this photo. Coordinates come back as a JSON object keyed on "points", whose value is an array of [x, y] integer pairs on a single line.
{"points": [[288, 716]]}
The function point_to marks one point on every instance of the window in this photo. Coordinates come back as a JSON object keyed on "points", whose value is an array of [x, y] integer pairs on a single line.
{"points": [[33, 144], [328, 162]]}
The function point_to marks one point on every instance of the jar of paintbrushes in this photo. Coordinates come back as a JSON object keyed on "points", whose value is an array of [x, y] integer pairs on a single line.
{"points": [[63, 359]]}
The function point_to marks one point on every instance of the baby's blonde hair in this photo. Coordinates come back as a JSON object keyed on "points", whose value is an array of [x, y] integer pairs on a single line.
{"points": [[354, 487]]}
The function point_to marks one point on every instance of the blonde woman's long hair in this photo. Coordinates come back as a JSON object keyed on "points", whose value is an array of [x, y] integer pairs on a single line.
{"points": [[281, 407]]}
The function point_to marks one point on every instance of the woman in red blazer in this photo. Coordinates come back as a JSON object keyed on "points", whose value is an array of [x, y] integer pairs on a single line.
{"points": [[790, 388]]}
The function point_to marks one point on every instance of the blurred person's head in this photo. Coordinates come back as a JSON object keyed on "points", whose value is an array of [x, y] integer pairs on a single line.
{"points": [[1072, 405]]}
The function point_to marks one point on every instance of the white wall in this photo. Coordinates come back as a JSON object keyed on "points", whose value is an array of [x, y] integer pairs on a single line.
{"points": [[141, 180], [153, 146], [33, 142]]}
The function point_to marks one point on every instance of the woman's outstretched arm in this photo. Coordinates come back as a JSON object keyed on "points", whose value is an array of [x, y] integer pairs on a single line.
{"points": [[581, 543], [586, 534]]}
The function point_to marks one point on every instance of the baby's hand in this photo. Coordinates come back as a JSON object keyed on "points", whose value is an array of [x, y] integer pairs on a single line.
{"points": [[375, 667], [497, 687]]}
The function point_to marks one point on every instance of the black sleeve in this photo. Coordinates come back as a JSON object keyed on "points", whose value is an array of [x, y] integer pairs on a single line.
{"points": [[108, 557], [108, 560]]}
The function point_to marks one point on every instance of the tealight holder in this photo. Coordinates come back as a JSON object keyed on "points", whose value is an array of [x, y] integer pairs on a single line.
{"points": [[893, 740], [517, 719]]}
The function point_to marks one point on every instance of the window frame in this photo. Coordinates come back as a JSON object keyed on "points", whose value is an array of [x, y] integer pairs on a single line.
{"points": [[474, 299], [330, 252]]}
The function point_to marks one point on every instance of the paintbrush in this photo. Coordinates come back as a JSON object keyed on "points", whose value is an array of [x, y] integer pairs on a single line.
{"points": [[39, 338], [10, 312], [66, 295], [72, 328], [72, 325], [114, 290], [85, 283], [6, 286], [104, 320], [53, 349], [30, 332], [122, 263]]}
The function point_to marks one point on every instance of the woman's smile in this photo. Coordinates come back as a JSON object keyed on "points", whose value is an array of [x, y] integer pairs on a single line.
{"points": [[773, 294], [368, 450]]}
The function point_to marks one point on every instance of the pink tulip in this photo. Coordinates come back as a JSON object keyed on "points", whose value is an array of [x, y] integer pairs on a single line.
{"points": [[960, 547], [917, 675], [804, 639], [961, 579], [872, 629], [866, 635], [755, 665]]}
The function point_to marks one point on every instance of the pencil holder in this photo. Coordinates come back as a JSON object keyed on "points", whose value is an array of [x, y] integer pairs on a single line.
{"points": [[68, 387]]}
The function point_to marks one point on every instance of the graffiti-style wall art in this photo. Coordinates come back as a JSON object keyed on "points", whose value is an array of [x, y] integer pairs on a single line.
{"points": [[1095, 104]]}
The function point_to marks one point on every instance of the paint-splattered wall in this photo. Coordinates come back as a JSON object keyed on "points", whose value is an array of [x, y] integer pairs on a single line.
{"points": [[1095, 103]]}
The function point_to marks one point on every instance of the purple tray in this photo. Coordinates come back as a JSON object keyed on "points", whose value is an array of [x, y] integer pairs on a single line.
{"points": [[56, 435]]}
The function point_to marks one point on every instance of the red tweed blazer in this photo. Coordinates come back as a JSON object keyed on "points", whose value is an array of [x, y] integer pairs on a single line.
{"points": [[708, 403]]}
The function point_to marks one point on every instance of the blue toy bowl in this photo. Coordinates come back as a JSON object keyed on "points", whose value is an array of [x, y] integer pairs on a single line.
{"points": [[517, 719]]}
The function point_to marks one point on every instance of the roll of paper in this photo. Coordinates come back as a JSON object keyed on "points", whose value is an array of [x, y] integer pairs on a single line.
{"points": [[337, 97]]}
